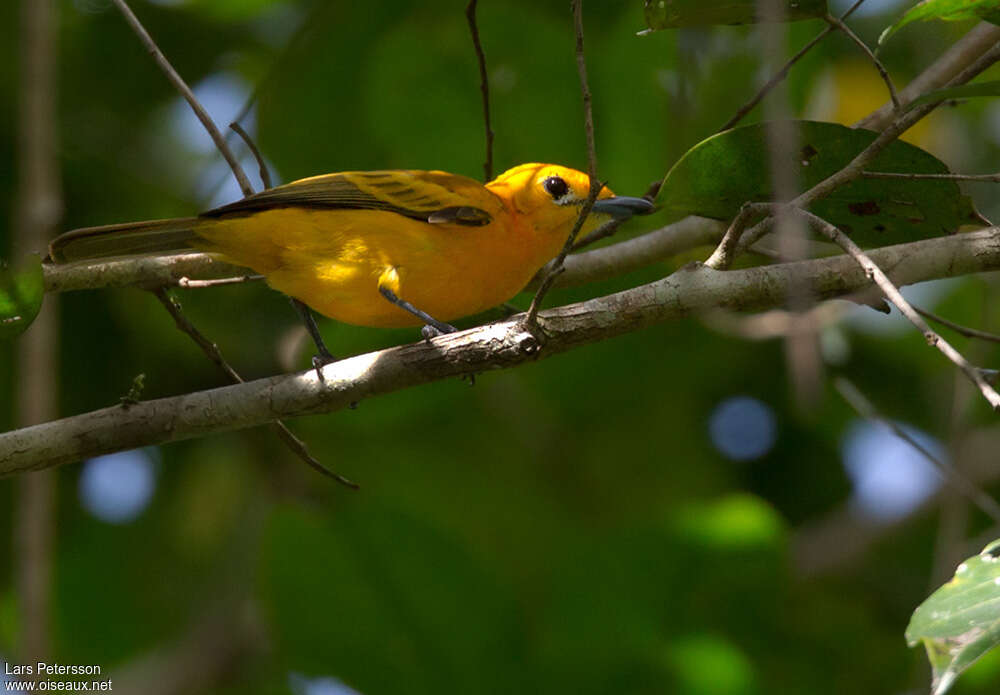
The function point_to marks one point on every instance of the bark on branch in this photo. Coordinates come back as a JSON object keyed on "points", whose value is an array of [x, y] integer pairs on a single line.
{"points": [[690, 290]]}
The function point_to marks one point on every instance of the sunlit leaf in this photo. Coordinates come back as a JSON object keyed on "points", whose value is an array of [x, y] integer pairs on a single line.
{"points": [[716, 176], [960, 622], [21, 291], [737, 521], [949, 10], [673, 14]]}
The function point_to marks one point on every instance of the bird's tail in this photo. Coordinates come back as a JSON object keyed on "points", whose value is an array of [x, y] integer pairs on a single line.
{"points": [[129, 239]]}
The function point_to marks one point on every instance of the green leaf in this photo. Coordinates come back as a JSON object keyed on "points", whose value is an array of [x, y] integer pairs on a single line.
{"points": [[716, 176], [948, 10], [988, 88], [960, 622], [673, 14], [21, 291]]}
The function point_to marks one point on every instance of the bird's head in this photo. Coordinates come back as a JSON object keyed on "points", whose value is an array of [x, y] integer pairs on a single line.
{"points": [[549, 197]]}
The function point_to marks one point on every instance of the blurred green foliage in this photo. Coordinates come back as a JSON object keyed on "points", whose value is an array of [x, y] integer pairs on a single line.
{"points": [[564, 527]]}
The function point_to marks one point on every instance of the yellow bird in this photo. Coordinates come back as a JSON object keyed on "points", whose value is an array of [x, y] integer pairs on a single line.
{"points": [[381, 248]]}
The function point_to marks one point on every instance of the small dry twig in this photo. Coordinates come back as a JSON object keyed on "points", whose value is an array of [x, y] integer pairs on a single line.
{"points": [[725, 252], [595, 186], [189, 284], [484, 87], [958, 328], [214, 354], [952, 475], [730, 247], [210, 348], [894, 296], [989, 178], [181, 85], [883, 73], [262, 171], [783, 72], [960, 55]]}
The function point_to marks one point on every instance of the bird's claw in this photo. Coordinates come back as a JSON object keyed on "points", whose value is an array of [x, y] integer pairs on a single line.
{"points": [[321, 360], [429, 331]]}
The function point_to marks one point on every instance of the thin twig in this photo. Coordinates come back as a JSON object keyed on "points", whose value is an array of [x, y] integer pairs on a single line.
{"points": [[602, 232], [894, 296], [903, 123], [189, 284], [958, 328], [950, 473], [989, 178], [774, 81], [883, 73], [206, 345], [181, 86], [856, 166], [783, 72], [960, 55], [214, 354], [484, 87], [724, 253], [265, 175], [595, 185]]}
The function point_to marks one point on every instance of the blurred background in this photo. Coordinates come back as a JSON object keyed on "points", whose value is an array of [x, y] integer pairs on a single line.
{"points": [[655, 513]]}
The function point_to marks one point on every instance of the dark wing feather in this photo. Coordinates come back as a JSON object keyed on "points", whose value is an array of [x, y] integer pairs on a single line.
{"points": [[422, 195]]}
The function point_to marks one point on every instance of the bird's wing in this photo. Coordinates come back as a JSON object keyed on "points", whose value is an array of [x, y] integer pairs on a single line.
{"points": [[431, 196]]}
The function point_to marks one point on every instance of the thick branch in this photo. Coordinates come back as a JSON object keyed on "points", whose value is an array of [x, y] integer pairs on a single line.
{"points": [[142, 271], [501, 345], [632, 254]]}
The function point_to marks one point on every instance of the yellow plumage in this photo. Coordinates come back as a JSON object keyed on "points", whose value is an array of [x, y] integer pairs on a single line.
{"points": [[446, 244]]}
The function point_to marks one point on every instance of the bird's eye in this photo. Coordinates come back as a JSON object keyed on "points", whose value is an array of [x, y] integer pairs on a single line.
{"points": [[555, 187]]}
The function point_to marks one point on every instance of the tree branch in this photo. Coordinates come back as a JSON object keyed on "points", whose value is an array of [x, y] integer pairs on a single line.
{"points": [[958, 328], [781, 74], [632, 254], [497, 346], [213, 353], [891, 293], [883, 73], [555, 268], [141, 271], [948, 471], [962, 54], [484, 87], [178, 82], [736, 239]]}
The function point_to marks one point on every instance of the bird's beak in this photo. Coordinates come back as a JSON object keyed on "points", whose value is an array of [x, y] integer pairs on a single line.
{"points": [[623, 207]]}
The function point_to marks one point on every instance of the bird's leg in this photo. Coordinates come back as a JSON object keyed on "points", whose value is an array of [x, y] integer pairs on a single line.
{"points": [[324, 357], [432, 328]]}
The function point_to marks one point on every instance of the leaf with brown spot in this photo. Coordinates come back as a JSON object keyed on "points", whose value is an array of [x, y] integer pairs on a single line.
{"points": [[718, 175], [868, 207]]}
